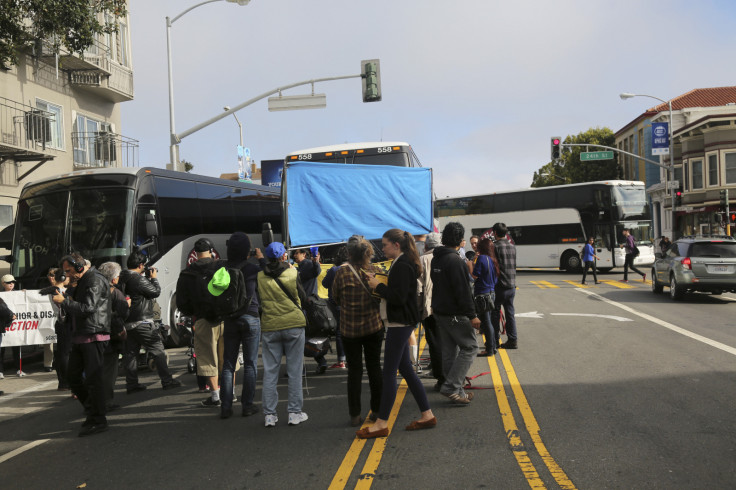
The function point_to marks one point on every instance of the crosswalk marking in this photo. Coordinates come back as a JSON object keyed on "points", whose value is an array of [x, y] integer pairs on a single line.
{"points": [[618, 284]]}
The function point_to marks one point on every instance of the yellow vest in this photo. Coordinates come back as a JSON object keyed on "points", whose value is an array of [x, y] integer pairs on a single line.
{"points": [[279, 312]]}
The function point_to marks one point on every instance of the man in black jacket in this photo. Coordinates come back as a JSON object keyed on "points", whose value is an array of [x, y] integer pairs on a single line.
{"points": [[142, 290], [89, 311], [454, 312]]}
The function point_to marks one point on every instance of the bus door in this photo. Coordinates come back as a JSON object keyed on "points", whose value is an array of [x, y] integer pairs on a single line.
{"points": [[605, 242]]}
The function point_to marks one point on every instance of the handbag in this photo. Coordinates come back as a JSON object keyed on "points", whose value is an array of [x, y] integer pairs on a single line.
{"points": [[484, 302]]}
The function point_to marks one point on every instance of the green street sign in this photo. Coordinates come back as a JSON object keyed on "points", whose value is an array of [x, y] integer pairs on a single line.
{"points": [[596, 155]]}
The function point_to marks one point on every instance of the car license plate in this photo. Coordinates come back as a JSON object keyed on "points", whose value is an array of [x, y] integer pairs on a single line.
{"points": [[720, 269]]}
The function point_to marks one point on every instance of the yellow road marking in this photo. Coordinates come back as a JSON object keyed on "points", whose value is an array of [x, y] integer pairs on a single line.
{"points": [[617, 284], [538, 284], [365, 479], [577, 284], [549, 284], [532, 425], [512, 430]]}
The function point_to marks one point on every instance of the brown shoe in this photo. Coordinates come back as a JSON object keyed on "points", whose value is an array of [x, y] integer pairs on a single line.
{"points": [[418, 424], [365, 433]]}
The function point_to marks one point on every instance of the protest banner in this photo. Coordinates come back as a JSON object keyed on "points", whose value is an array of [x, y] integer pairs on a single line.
{"points": [[34, 319]]}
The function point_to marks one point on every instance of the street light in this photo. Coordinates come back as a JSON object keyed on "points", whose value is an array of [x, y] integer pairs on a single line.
{"points": [[547, 174], [227, 108], [671, 169], [174, 143]]}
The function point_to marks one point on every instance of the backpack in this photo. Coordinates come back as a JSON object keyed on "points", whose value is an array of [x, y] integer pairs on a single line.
{"points": [[321, 317], [232, 302]]}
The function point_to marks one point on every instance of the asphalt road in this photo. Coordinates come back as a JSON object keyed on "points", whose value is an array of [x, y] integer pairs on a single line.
{"points": [[612, 387]]}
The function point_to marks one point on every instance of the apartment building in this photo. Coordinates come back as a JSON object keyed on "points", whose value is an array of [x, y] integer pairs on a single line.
{"points": [[700, 131], [60, 113]]}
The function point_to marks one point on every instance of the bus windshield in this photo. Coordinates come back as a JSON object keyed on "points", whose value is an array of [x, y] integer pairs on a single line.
{"points": [[98, 229], [630, 202]]}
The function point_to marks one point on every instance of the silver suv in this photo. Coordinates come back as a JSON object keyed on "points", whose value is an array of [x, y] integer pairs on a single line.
{"points": [[696, 263]]}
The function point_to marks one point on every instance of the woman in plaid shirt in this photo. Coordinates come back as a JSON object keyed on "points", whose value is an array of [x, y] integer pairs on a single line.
{"points": [[361, 327]]}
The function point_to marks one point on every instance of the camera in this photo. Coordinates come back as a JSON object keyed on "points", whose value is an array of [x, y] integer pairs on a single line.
{"points": [[59, 275], [252, 253], [147, 270]]}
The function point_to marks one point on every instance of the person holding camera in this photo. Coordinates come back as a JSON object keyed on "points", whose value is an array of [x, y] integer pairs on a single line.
{"points": [[140, 284], [58, 284]]}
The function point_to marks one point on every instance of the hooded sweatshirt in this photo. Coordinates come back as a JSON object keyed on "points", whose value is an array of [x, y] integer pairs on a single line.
{"points": [[451, 293], [238, 250]]}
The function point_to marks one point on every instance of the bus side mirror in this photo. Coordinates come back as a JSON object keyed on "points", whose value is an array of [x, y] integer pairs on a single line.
{"points": [[151, 228], [266, 234], [6, 237]]}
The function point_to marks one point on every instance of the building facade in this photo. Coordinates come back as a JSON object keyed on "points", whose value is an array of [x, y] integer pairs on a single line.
{"points": [[60, 113], [690, 110]]}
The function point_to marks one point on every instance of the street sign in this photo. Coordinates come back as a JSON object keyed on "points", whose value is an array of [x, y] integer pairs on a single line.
{"points": [[673, 184], [596, 155]]}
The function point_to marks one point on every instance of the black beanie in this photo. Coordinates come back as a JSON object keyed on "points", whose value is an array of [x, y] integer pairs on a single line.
{"points": [[238, 247]]}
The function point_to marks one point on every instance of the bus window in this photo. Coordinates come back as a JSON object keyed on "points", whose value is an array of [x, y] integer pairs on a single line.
{"points": [[96, 229], [179, 212], [40, 235], [217, 208]]}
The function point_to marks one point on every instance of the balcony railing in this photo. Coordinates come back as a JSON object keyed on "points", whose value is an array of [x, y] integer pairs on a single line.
{"points": [[93, 69], [104, 149], [25, 131]]}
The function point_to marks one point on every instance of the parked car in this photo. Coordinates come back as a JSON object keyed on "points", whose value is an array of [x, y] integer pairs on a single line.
{"points": [[696, 263]]}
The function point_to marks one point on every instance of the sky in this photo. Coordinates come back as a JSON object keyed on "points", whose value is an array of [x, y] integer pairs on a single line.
{"points": [[477, 87]]}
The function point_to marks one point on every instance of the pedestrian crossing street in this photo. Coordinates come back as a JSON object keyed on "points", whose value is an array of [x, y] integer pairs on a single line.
{"points": [[603, 283]]}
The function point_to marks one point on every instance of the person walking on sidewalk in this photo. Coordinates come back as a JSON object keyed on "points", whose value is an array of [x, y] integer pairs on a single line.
{"points": [[631, 253], [588, 257]]}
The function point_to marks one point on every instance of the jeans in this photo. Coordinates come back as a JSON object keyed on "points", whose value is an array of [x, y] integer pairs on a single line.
{"points": [[433, 343], [245, 330], [86, 378], [274, 345], [629, 263], [144, 335], [355, 349], [505, 298], [486, 328], [459, 348], [396, 356], [590, 264]]}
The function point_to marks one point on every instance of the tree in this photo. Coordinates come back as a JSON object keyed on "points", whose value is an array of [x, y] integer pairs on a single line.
{"points": [[71, 24], [187, 165], [570, 170]]}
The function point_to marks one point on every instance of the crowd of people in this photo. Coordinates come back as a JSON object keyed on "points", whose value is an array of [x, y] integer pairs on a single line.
{"points": [[105, 312]]}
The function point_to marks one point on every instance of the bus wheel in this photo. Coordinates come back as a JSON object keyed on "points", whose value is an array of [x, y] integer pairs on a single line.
{"points": [[177, 338], [571, 262]]}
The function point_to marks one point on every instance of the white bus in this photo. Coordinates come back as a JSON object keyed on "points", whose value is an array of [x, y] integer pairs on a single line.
{"points": [[550, 225], [398, 154], [104, 213]]}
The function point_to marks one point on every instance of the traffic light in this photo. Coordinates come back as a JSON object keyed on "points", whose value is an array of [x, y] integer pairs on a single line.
{"points": [[370, 71], [678, 198], [555, 144], [724, 199], [732, 217]]}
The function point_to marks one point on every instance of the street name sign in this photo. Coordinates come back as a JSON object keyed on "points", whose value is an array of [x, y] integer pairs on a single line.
{"points": [[596, 155]]}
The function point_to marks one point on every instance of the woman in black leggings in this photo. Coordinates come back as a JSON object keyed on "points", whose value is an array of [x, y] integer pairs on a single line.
{"points": [[400, 313]]}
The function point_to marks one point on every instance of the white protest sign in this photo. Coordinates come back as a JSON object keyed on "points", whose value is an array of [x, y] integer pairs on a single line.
{"points": [[34, 319]]}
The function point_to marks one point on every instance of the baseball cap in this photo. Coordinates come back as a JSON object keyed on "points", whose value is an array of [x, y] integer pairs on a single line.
{"points": [[275, 250], [219, 282], [7, 278]]}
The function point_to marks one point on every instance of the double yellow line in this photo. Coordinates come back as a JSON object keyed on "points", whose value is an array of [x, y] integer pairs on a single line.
{"points": [[368, 473]]}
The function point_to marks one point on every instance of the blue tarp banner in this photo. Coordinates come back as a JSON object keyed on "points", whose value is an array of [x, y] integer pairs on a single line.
{"points": [[328, 202]]}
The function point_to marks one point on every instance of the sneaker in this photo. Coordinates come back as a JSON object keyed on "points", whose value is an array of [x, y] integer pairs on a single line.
{"points": [[135, 389], [271, 420], [297, 418], [2, 376], [20, 373], [321, 369], [509, 344], [48, 369], [174, 383], [210, 403], [249, 410], [623, 280], [459, 399], [644, 278], [338, 365], [92, 429]]}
